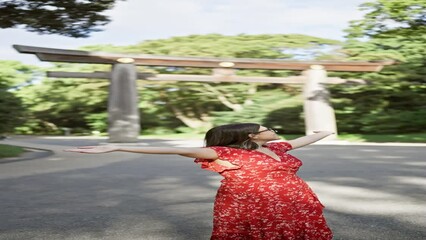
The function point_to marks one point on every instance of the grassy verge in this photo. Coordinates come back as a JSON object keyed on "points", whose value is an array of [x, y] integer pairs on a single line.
{"points": [[404, 138], [407, 138], [10, 151]]}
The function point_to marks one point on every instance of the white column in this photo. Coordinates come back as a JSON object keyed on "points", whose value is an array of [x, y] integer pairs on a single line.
{"points": [[319, 114], [123, 113]]}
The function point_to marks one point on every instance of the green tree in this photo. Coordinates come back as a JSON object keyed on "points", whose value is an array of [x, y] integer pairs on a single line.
{"points": [[387, 16], [13, 75], [394, 100], [72, 18], [56, 104], [392, 30]]}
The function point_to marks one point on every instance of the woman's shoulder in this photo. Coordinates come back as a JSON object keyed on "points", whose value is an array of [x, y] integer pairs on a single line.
{"points": [[226, 148], [282, 145]]}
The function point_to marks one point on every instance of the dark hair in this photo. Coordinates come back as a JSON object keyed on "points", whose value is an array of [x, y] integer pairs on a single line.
{"points": [[232, 135]]}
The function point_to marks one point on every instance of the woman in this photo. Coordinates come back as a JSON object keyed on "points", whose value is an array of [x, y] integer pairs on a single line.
{"points": [[260, 197]]}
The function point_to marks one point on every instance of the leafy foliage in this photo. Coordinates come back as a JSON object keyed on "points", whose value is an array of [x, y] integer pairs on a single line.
{"points": [[65, 103], [394, 100], [12, 111], [384, 16], [71, 18]]}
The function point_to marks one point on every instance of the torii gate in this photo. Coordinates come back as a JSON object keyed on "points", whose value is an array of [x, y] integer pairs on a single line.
{"points": [[123, 114]]}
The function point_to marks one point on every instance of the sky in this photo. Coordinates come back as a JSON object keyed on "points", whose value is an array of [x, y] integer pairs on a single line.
{"points": [[134, 21]]}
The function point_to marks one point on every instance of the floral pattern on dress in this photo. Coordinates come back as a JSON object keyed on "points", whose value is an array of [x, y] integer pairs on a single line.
{"points": [[262, 198]]}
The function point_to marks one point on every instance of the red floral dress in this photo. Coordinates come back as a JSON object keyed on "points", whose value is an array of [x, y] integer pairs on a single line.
{"points": [[262, 198]]}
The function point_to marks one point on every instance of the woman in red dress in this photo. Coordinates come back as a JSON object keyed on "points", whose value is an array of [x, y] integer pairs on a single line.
{"points": [[260, 197]]}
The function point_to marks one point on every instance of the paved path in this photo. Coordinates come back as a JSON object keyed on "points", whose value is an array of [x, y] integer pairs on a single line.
{"points": [[370, 192]]}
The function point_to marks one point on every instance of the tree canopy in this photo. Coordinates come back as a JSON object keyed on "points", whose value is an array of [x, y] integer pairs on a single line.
{"points": [[13, 75], [394, 99], [388, 16], [72, 18]]}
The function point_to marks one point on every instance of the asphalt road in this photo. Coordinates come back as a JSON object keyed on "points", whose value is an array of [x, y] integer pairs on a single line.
{"points": [[370, 192]]}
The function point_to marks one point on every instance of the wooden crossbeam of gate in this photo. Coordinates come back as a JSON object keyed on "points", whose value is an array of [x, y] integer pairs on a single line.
{"points": [[77, 56], [202, 78]]}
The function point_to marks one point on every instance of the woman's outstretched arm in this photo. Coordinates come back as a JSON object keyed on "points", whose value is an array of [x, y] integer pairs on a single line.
{"points": [[205, 153], [306, 140]]}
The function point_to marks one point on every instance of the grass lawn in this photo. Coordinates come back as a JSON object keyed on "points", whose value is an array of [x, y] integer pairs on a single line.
{"points": [[407, 138], [10, 151]]}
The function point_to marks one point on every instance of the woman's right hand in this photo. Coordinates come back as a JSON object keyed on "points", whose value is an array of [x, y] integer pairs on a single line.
{"points": [[93, 149]]}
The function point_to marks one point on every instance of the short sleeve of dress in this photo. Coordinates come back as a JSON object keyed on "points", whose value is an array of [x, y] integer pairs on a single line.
{"points": [[282, 146], [224, 153]]}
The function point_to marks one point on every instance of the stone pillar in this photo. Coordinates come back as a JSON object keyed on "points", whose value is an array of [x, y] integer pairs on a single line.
{"points": [[319, 114], [123, 113]]}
